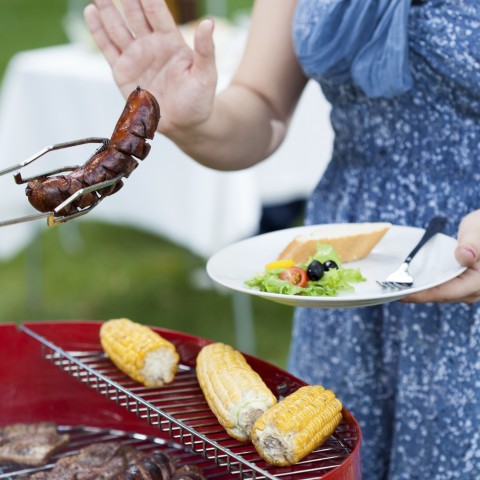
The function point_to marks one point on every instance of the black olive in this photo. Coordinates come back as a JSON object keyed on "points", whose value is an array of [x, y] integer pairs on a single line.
{"points": [[330, 265], [315, 270]]}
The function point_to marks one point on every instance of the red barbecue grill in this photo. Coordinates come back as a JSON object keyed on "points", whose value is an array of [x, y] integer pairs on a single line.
{"points": [[56, 371]]}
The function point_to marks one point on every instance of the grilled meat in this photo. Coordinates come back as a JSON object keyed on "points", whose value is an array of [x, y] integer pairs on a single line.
{"points": [[188, 472], [30, 443], [159, 466], [112, 461], [154, 466], [100, 461], [165, 463]]}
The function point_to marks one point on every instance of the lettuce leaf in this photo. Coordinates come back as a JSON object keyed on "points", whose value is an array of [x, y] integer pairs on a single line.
{"points": [[330, 284]]}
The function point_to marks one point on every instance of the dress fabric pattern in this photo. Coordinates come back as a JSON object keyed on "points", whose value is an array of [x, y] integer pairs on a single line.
{"points": [[409, 373]]}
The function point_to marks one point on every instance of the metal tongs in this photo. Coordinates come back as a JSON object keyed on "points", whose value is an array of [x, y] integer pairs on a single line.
{"points": [[53, 217]]}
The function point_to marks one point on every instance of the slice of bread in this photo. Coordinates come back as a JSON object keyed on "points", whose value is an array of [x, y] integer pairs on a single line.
{"points": [[351, 241]]}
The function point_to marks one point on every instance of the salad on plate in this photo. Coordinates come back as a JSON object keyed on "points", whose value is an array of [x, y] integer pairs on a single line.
{"points": [[322, 275]]}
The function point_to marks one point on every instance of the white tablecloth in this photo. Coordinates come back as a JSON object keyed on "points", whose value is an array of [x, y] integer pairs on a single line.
{"points": [[67, 92]]}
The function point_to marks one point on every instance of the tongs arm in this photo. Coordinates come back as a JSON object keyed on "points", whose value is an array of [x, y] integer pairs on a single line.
{"points": [[53, 217], [56, 146]]}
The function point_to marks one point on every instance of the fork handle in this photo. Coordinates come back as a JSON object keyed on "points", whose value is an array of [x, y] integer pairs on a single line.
{"points": [[435, 226]]}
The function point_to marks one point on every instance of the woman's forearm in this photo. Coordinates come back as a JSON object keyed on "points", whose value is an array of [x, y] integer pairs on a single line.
{"points": [[250, 118], [242, 130]]}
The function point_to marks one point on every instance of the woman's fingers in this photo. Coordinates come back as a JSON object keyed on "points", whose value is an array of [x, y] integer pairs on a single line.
{"points": [[95, 25], [136, 19], [158, 15], [464, 288], [114, 24], [144, 47]]}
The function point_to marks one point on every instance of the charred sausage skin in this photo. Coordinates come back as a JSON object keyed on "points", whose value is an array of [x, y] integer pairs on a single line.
{"points": [[138, 122]]}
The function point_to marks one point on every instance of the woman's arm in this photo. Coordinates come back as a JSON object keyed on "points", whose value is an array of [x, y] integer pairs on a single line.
{"points": [[237, 128]]}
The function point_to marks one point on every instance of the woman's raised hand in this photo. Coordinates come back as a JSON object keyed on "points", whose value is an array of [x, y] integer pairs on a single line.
{"points": [[144, 47]]}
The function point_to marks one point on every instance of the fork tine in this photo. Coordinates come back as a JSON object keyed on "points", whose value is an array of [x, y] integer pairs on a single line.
{"points": [[399, 285], [393, 285], [384, 284]]}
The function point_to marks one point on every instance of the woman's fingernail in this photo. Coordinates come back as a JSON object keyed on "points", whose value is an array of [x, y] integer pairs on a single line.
{"points": [[471, 252]]}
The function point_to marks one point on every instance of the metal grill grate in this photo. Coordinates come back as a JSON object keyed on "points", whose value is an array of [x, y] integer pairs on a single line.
{"points": [[180, 411]]}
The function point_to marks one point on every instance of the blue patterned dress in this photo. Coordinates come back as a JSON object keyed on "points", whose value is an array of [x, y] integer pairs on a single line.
{"points": [[406, 151]]}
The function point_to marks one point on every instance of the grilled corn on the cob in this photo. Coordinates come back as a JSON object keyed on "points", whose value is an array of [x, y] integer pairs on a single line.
{"points": [[296, 425], [138, 351], [235, 393]]}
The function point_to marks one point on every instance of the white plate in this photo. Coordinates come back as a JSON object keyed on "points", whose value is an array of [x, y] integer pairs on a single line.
{"points": [[433, 265]]}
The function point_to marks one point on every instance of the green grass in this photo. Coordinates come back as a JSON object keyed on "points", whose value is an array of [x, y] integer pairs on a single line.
{"points": [[116, 271], [230, 7]]}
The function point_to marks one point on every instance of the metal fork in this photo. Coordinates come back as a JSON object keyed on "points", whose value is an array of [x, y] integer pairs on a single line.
{"points": [[402, 278]]}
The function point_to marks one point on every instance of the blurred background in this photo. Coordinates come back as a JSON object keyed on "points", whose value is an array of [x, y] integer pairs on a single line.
{"points": [[142, 253]]}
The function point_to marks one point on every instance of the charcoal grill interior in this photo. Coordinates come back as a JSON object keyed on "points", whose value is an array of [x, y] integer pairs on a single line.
{"points": [[177, 413]]}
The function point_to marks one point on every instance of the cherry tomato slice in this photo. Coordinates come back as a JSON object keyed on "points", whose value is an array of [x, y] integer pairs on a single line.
{"points": [[295, 275]]}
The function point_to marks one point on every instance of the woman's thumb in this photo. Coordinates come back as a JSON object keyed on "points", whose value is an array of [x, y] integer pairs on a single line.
{"points": [[468, 246], [204, 47]]}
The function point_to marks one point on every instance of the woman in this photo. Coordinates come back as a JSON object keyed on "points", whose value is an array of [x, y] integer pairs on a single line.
{"points": [[403, 79]]}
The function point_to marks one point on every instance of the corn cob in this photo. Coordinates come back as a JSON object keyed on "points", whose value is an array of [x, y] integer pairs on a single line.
{"points": [[235, 393], [139, 352], [296, 425]]}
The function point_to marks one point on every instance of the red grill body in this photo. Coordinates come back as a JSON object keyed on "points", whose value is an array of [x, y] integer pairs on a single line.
{"points": [[33, 389]]}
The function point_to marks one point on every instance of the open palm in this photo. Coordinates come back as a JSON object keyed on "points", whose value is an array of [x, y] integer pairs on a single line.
{"points": [[144, 47]]}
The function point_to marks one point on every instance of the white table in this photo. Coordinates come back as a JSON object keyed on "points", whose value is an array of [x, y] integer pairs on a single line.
{"points": [[66, 92]]}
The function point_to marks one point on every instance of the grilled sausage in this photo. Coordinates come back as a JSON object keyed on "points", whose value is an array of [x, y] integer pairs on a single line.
{"points": [[138, 122]]}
